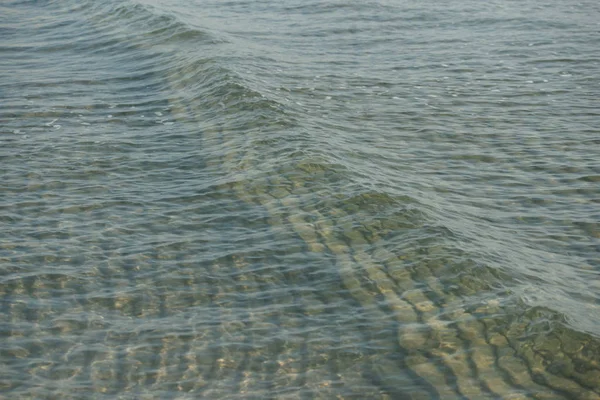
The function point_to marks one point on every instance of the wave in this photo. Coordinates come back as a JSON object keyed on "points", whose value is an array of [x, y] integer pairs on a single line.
{"points": [[267, 134], [226, 243]]}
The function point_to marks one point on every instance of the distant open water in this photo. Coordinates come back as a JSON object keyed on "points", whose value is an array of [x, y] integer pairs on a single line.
{"points": [[281, 199]]}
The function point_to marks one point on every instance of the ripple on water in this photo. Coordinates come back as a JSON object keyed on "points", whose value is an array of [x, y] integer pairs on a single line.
{"points": [[319, 200]]}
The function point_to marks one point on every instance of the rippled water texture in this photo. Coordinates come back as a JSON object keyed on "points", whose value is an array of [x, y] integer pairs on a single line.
{"points": [[277, 199]]}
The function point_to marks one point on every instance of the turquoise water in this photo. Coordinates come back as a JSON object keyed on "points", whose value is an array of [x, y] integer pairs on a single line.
{"points": [[375, 200]]}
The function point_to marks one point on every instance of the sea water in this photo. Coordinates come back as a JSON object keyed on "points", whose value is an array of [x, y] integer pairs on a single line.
{"points": [[323, 199]]}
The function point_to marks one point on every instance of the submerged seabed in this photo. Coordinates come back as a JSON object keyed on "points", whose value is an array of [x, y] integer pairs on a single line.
{"points": [[179, 221]]}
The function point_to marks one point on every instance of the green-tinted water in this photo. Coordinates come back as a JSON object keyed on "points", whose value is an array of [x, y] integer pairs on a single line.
{"points": [[272, 200]]}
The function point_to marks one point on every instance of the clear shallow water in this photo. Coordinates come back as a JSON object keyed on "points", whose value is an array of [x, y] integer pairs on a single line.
{"points": [[281, 200]]}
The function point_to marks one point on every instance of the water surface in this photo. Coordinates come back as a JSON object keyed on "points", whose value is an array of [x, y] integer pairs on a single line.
{"points": [[261, 199]]}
